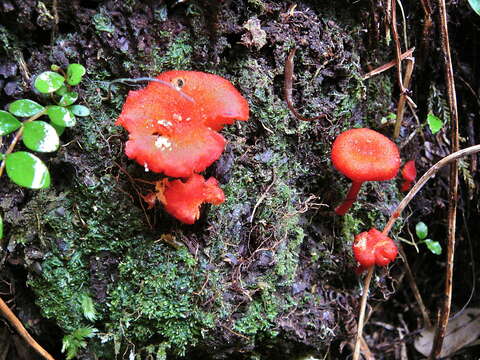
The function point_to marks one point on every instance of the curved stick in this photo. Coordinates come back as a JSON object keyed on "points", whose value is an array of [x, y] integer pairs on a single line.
{"points": [[395, 215], [10, 316], [288, 86], [361, 318], [422, 181]]}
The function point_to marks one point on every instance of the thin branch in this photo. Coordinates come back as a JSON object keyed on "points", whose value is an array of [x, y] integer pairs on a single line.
{"points": [[13, 320], [361, 318], [403, 97], [288, 86], [398, 49], [422, 181], [388, 65], [441, 328], [416, 293]]}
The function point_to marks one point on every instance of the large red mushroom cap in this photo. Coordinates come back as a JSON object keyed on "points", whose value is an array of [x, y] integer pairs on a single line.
{"points": [[173, 127], [365, 155], [374, 248], [216, 96], [182, 200]]}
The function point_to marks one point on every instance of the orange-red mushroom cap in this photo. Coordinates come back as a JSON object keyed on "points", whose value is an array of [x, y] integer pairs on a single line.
{"points": [[216, 96], [172, 128], [374, 248], [365, 155], [182, 200]]}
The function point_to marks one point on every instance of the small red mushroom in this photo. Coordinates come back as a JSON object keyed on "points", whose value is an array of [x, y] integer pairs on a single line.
{"points": [[374, 248], [363, 155], [173, 129], [182, 200], [409, 173]]}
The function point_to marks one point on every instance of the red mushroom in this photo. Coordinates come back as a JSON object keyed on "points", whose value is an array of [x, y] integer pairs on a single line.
{"points": [[363, 155], [374, 248], [409, 173], [182, 200], [173, 129]]}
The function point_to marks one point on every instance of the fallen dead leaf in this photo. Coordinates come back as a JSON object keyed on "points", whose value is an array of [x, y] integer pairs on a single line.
{"points": [[461, 331]]}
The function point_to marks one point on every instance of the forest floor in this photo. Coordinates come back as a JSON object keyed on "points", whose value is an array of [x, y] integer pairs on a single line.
{"points": [[270, 273]]}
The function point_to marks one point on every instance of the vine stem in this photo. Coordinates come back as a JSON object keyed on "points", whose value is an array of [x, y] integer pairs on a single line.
{"points": [[391, 221], [10, 316], [17, 137]]}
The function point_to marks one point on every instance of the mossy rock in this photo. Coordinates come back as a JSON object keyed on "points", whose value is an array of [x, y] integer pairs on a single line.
{"points": [[252, 276]]}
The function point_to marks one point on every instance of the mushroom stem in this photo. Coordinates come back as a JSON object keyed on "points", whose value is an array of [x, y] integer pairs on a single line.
{"points": [[350, 199]]}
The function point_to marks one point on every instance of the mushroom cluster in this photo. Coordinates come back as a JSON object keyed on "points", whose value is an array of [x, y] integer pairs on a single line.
{"points": [[173, 127]]}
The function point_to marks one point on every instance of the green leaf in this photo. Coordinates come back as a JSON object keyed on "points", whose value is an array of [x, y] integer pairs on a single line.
{"points": [[27, 170], [48, 82], [79, 110], [40, 136], [68, 99], [75, 73], [59, 129], [475, 5], [54, 67], [1, 228], [434, 246], [434, 123], [25, 108], [62, 91], [61, 116], [76, 340], [422, 230], [8, 123], [88, 307]]}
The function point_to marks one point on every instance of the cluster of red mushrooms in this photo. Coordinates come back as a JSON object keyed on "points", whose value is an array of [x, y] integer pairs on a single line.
{"points": [[173, 129], [366, 155]]}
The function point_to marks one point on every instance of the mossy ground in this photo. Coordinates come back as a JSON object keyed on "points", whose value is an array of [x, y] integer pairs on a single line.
{"points": [[257, 267]]}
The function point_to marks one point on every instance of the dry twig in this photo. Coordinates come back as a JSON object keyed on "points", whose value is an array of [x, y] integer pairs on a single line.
{"points": [[403, 97], [13, 320], [441, 328]]}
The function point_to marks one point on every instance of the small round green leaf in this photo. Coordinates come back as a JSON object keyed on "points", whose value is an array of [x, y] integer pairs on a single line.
{"points": [[59, 129], [48, 82], [27, 170], [40, 136], [25, 108], [68, 98], [75, 73], [434, 246], [8, 123], [79, 110], [61, 116], [434, 123], [422, 230]]}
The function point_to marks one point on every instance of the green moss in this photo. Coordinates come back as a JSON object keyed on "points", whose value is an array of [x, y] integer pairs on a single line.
{"points": [[138, 307], [162, 304], [176, 55]]}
